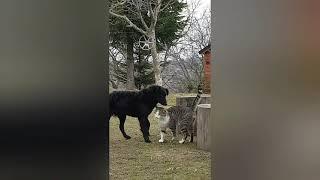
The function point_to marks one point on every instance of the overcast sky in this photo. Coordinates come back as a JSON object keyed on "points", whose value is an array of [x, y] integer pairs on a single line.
{"points": [[204, 4]]}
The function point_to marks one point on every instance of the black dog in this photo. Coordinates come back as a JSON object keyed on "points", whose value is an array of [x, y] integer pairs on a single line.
{"points": [[136, 104]]}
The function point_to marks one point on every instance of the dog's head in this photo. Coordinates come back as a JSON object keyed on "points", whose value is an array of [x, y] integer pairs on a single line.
{"points": [[159, 93]]}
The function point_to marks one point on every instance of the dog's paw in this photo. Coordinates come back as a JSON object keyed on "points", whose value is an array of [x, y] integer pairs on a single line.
{"points": [[173, 138], [161, 140], [181, 141], [127, 137], [147, 141]]}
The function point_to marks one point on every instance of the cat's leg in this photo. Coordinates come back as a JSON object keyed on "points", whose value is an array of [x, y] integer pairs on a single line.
{"points": [[174, 135], [184, 138], [190, 132], [182, 141], [162, 132], [191, 137]]}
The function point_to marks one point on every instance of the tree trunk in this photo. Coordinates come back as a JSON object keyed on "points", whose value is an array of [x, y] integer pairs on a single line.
{"points": [[130, 85], [155, 59]]}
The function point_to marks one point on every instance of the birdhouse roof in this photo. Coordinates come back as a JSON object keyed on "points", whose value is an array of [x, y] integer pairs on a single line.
{"points": [[205, 49]]}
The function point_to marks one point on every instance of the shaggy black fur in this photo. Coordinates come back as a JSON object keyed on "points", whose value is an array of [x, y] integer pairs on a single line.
{"points": [[136, 104]]}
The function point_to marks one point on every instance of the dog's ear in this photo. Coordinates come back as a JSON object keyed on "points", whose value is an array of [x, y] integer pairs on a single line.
{"points": [[167, 91]]}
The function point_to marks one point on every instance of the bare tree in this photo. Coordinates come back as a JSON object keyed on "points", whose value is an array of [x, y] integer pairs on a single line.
{"points": [[190, 15], [184, 71], [138, 8]]}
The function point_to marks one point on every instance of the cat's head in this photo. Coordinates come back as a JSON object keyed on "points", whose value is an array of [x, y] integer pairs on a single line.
{"points": [[160, 112]]}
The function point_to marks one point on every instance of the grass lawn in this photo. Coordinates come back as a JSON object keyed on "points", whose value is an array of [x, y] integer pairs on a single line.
{"points": [[135, 159]]}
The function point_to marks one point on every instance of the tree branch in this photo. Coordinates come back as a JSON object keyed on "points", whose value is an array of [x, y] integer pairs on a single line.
{"points": [[155, 14], [151, 10], [143, 21], [131, 24], [166, 5]]}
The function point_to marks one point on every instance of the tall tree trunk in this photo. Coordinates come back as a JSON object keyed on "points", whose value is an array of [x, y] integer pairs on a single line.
{"points": [[130, 85], [155, 59]]}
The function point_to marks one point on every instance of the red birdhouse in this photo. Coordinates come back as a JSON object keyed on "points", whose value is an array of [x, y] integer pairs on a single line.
{"points": [[206, 59]]}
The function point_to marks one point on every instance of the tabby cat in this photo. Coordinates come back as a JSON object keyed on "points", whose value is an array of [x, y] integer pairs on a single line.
{"points": [[179, 119]]}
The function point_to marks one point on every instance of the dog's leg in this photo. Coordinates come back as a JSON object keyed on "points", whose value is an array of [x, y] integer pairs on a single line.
{"points": [[148, 127], [144, 129], [122, 119]]}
